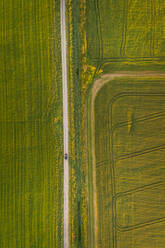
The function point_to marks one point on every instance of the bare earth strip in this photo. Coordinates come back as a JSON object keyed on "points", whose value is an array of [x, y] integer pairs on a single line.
{"points": [[98, 84], [65, 122]]}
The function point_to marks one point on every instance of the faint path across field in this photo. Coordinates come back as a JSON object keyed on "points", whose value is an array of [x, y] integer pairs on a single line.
{"points": [[65, 122]]}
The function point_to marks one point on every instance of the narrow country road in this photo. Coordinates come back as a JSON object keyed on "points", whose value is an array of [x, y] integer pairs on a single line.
{"points": [[65, 122]]}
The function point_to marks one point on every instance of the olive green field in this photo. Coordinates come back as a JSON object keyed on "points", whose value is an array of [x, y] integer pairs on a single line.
{"points": [[31, 143], [129, 153], [116, 94], [125, 124], [116, 48]]}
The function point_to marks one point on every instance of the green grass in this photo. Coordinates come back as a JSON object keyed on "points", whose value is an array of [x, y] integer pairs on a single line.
{"points": [[31, 168]]}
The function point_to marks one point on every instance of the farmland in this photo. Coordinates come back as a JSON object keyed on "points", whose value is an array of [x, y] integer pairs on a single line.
{"points": [[125, 132], [107, 38], [125, 30], [31, 167], [122, 43], [116, 58], [128, 161]]}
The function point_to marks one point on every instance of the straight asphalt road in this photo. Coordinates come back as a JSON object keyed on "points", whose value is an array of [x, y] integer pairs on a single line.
{"points": [[65, 121]]}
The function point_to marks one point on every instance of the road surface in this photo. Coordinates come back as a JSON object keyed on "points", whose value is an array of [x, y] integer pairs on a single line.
{"points": [[65, 122]]}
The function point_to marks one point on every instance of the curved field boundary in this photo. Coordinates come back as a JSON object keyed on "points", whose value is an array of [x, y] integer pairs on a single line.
{"points": [[92, 192]]}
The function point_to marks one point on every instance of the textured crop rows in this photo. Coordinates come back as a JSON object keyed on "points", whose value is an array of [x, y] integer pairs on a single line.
{"points": [[123, 36], [129, 169], [31, 168]]}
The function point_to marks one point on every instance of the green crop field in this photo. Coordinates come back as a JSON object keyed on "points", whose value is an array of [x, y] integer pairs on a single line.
{"points": [[129, 169], [31, 161], [125, 41], [125, 29]]}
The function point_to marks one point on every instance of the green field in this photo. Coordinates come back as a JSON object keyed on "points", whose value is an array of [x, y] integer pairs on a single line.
{"points": [[125, 29], [31, 161], [125, 123], [130, 172]]}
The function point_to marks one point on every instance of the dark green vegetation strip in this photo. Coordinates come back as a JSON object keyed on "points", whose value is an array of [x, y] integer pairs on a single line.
{"points": [[31, 168], [77, 177], [75, 206]]}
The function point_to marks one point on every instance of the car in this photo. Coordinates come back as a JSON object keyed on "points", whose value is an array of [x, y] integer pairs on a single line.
{"points": [[65, 156]]}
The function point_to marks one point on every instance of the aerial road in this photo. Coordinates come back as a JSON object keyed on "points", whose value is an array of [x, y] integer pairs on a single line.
{"points": [[65, 122]]}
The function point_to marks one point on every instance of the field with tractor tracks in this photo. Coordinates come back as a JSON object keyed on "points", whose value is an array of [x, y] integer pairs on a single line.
{"points": [[125, 123]]}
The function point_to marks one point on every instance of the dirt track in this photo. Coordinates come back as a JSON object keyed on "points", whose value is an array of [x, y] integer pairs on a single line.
{"points": [[65, 122]]}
